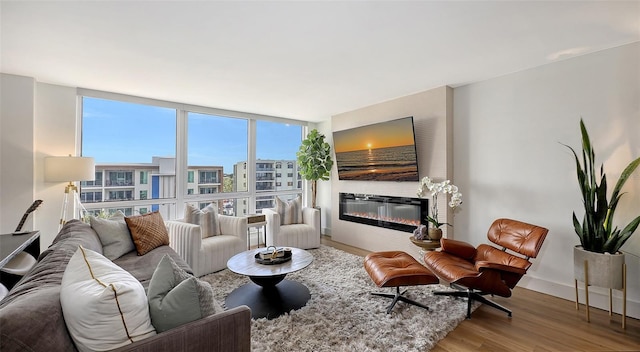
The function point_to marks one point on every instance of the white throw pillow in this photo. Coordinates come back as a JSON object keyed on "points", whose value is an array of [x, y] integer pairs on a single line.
{"points": [[207, 218], [114, 235], [104, 306], [290, 212]]}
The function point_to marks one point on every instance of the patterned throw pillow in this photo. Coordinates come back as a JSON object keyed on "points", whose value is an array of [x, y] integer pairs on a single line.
{"points": [[148, 231], [176, 297], [290, 212], [104, 306], [207, 218]]}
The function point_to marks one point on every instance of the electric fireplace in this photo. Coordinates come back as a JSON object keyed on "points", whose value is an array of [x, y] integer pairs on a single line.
{"points": [[397, 213]]}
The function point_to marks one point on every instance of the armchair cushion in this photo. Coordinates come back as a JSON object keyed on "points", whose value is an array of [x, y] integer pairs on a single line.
{"points": [[176, 297], [148, 231], [290, 212], [206, 218], [458, 248]]}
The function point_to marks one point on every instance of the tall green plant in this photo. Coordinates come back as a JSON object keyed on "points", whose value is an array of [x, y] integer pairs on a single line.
{"points": [[314, 161], [596, 231]]}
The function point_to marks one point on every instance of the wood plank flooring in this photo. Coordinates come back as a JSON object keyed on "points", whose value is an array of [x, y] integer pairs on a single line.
{"points": [[540, 323]]}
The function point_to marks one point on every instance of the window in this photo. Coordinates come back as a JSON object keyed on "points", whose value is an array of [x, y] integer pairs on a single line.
{"points": [[90, 197], [97, 182], [290, 174], [216, 146], [119, 195], [208, 177], [143, 211], [134, 143], [143, 177], [207, 190], [278, 142]]}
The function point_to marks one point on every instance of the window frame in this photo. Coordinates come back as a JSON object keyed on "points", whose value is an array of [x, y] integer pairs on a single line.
{"points": [[182, 110]]}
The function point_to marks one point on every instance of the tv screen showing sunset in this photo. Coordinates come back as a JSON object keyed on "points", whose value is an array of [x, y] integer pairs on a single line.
{"points": [[381, 152]]}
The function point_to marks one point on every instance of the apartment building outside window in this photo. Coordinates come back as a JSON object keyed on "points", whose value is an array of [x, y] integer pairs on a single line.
{"points": [[136, 166]]}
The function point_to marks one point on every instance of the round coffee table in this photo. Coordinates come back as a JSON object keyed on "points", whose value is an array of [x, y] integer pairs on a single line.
{"points": [[269, 295]]}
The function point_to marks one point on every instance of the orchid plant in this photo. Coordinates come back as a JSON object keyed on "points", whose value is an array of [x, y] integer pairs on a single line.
{"points": [[427, 186]]}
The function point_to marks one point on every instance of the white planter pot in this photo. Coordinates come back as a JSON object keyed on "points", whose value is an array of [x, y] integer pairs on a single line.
{"points": [[604, 269]]}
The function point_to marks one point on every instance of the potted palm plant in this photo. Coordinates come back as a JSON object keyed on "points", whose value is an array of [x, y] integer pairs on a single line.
{"points": [[314, 161], [600, 241]]}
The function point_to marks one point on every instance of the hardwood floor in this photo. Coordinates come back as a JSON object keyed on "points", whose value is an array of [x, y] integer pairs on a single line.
{"points": [[540, 323]]}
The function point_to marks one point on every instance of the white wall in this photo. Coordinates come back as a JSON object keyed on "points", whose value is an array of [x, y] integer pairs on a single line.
{"points": [[16, 151], [509, 162], [55, 135], [431, 111], [38, 120]]}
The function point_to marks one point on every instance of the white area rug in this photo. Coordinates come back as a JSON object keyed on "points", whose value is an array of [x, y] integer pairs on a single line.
{"points": [[342, 315]]}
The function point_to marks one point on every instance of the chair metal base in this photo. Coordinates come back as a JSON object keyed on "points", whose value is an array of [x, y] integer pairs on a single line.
{"points": [[398, 297], [472, 295]]}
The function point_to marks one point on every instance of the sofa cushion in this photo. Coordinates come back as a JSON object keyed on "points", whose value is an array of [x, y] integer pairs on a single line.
{"points": [[148, 231], [290, 212], [142, 267], [114, 235], [176, 298], [206, 218], [104, 306]]}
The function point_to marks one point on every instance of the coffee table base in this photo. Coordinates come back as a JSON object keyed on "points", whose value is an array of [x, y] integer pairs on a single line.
{"points": [[270, 301]]}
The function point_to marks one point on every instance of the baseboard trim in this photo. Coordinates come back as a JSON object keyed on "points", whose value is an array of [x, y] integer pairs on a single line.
{"points": [[598, 297]]}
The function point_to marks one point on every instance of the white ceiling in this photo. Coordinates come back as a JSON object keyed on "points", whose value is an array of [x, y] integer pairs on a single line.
{"points": [[302, 60]]}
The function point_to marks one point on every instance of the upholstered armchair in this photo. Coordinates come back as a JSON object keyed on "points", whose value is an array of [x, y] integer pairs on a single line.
{"points": [[476, 272], [303, 235], [209, 254]]}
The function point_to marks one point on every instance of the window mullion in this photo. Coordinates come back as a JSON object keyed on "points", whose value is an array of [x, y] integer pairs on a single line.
{"points": [[181, 161]]}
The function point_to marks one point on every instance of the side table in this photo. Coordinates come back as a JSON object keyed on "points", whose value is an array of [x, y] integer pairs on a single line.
{"points": [[424, 246], [256, 221]]}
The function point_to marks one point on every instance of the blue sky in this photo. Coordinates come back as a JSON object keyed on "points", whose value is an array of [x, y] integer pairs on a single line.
{"points": [[114, 131]]}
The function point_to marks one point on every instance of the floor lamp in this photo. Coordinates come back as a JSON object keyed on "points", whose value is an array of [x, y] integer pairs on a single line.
{"points": [[69, 169]]}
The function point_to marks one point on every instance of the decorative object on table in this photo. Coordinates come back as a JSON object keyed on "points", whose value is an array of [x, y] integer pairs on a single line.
{"points": [[314, 161], [274, 255], [30, 210], [69, 169], [445, 187], [597, 261], [420, 233]]}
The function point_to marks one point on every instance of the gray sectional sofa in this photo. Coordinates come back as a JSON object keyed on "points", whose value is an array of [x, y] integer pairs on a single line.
{"points": [[31, 316]]}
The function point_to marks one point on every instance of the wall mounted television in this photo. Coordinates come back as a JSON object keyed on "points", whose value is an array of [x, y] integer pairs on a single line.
{"points": [[384, 151]]}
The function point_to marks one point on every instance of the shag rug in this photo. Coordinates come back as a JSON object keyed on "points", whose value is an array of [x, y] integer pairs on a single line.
{"points": [[342, 315]]}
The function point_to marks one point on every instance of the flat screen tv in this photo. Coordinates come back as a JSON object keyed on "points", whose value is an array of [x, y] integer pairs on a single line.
{"points": [[384, 151]]}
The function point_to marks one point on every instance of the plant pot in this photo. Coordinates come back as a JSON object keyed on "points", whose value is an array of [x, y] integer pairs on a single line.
{"points": [[435, 234], [604, 269]]}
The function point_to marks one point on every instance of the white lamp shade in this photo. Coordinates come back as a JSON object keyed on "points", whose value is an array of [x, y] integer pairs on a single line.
{"points": [[69, 169]]}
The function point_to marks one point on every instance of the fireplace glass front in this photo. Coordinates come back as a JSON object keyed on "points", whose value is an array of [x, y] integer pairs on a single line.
{"points": [[397, 213]]}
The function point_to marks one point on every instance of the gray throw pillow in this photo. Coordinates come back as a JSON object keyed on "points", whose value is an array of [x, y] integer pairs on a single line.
{"points": [[176, 297], [114, 235]]}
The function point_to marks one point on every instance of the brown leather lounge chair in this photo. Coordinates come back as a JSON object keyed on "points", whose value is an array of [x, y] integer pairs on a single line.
{"points": [[476, 272]]}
